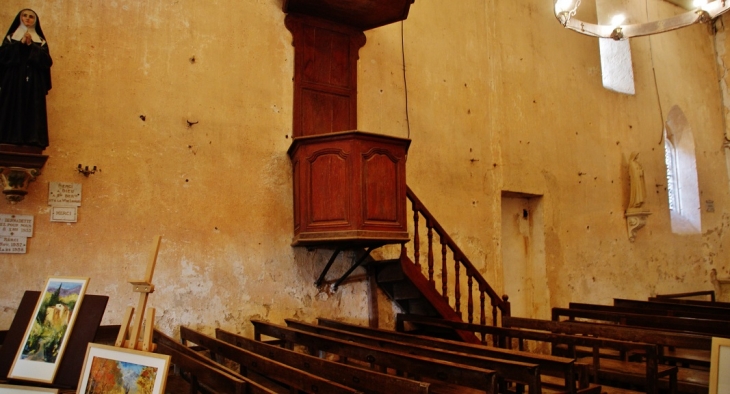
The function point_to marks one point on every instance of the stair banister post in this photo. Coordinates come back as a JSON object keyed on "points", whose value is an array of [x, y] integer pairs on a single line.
{"points": [[444, 276], [457, 288], [470, 298], [482, 316], [429, 226], [416, 238]]}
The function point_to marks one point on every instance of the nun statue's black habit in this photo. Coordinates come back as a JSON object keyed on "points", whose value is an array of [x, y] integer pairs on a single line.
{"points": [[25, 79]]}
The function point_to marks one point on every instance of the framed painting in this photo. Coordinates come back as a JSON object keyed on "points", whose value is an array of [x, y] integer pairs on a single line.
{"points": [[13, 389], [720, 366], [109, 369], [46, 336]]}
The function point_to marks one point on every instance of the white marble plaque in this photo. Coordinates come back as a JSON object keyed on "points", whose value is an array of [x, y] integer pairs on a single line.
{"points": [[16, 225], [61, 194], [64, 214], [13, 244]]}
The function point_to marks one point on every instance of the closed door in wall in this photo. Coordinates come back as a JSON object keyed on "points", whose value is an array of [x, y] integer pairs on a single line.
{"points": [[523, 255]]}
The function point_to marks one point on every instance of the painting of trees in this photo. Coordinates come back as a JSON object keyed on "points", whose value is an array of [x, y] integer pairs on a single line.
{"points": [[112, 376], [105, 376]]}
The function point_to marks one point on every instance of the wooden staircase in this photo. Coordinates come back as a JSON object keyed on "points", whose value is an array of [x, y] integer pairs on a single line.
{"points": [[398, 286], [413, 288]]}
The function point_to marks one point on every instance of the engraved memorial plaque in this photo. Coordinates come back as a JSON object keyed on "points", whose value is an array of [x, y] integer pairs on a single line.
{"points": [[13, 244], [64, 214], [16, 225], [62, 194]]}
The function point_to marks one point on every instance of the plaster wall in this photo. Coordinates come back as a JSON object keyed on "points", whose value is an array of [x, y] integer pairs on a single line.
{"points": [[531, 116], [500, 98]]}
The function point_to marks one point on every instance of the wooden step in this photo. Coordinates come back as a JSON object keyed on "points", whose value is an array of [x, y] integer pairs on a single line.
{"points": [[405, 290], [421, 307], [389, 271]]}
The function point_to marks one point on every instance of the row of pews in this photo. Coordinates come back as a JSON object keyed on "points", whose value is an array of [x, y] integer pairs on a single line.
{"points": [[335, 357], [659, 345]]}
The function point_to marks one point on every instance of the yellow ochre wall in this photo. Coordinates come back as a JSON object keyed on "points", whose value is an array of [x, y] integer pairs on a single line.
{"points": [[500, 98]]}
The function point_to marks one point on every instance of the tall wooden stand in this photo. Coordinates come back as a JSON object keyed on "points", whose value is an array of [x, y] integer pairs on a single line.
{"points": [[144, 287]]}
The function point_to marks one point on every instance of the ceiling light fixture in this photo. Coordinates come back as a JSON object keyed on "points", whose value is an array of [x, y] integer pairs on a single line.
{"points": [[704, 11]]}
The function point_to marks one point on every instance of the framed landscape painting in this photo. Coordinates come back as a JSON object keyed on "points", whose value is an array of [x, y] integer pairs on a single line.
{"points": [[109, 369], [13, 389], [720, 366], [47, 333]]}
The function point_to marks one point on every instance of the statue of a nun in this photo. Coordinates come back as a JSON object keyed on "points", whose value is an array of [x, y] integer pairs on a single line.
{"points": [[25, 79]]}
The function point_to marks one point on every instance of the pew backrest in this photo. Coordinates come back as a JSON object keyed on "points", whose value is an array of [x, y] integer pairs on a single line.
{"points": [[673, 309], [204, 376], [658, 311], [551, 365], [514, 371], [651, 373], [362, 379], [683, 324], [271, 369], [612, 331], [452, 373]]}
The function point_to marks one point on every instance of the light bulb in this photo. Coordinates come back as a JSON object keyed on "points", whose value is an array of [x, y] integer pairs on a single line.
{"points": [[563, 5], [617, 20]]}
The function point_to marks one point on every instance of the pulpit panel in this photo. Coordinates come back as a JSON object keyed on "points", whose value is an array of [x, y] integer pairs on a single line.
{"points": [[380, 192], [329, 189], [324, 112]]}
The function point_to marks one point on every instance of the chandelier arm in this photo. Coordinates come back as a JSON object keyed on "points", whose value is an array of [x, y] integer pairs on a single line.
{"points": [[710, 11], [590, 29], [661, 26]]}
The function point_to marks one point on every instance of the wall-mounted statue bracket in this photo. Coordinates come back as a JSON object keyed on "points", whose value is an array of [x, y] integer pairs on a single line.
{"points": [[635, 220], [18, 167]]}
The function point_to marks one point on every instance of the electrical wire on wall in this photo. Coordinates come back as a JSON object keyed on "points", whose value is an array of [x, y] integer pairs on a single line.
{"points": [[405, 80], [656, 84]]}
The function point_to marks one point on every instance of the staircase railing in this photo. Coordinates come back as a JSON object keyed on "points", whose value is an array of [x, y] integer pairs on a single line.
{"points": [[463, 269]]}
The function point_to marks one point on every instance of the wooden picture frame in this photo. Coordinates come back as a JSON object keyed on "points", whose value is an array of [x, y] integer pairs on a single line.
{"points": [[13, 389], [110, 365], [47, 334], [720, 366]]}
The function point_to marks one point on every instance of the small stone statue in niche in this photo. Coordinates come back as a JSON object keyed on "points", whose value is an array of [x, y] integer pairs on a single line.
{"points": [[635, 214], [25, 79], [636, 179]]}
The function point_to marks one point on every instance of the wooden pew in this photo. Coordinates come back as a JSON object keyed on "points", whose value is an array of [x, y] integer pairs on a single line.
{"points": [[714, 304], [717, 328], [201, 376], [512, 371], [417, 366], [366, 380], [673, 309], [674, 347], [647, 374], [563, 368], [710, 293], [688, 380], [657, 311], [283, 374]]}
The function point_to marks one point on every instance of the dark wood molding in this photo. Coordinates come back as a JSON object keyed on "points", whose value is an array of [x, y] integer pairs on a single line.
{"points": [[22, 156], [361, 14]]}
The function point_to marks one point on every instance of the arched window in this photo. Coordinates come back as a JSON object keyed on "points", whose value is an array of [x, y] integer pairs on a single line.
{"points": [[682, 186], [670, 159]]}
